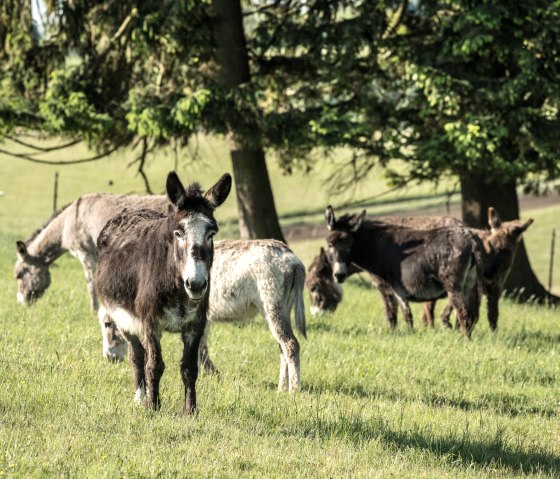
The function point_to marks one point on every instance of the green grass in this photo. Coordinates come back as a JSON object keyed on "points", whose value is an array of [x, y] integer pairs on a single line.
{"points": [[413, 404]]}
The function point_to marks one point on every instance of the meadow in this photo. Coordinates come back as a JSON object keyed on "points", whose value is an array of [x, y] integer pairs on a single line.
{"points": [[412, 404]]}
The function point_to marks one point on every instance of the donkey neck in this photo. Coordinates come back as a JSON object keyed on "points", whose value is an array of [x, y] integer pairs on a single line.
{"points": [[46, 243], [366, 242]]}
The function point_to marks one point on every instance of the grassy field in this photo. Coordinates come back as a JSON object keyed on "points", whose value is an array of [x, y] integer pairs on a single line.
{"points": [[414, 404]]}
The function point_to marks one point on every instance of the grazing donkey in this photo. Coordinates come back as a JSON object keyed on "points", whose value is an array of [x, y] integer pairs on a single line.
{"points": [[74, 229], [499, 247], [154, 274], [419, 265], [325, 293]]}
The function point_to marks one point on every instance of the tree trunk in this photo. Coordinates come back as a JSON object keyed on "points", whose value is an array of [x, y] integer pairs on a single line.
{"points": [[257, 212], [477, 194]]}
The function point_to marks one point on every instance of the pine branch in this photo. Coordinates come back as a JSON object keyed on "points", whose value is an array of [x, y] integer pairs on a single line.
{"points": [[41, 149], [22, 156]]}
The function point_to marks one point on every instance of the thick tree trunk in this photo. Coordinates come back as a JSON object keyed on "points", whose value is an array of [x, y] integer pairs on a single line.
{"points": [[257, 212], [477, 194]]}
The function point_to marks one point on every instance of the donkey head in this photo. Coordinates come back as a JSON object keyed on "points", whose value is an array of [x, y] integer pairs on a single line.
{"points": [[501, 244], [325, 293], [340, 241], [193, 227], [32, 274], [504, 235]]}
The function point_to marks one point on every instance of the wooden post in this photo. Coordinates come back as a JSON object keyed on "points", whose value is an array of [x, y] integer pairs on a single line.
{"points": [[550, 266], [55, 196]]}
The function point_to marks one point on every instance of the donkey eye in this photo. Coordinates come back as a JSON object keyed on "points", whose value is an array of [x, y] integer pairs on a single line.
{"points": [[210, 235], [178, 234]]}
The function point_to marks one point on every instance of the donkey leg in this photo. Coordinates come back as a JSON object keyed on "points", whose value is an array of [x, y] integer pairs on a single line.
{"points": [[446, 314], [390, 305], [389, 301], [189, 365], [281, 329], [114, 345], [137, 359], [407, 313], [493, 295], [283, 380], [204, 360], [457, 300], [428, 309], [154, 368], [88, 265]]}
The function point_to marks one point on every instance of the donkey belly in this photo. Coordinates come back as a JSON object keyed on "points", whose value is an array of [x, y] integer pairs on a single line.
{"points": [[231, 309], [126, 322], [421, 289]]}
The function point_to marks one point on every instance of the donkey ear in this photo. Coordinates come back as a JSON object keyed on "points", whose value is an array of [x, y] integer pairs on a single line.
{"points": [[329, 216], [523, 227], [219, 192], [356, 226], [175, 190], [494, 220], [21, 249]]}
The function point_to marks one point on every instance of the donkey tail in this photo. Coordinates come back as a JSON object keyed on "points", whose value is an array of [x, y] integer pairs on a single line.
{"points": [[297, 290]]}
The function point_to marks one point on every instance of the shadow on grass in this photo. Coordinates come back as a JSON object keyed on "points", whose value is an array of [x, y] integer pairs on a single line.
{"points": [[462, 449], [505, 404], [533, 341], [466, 450]]}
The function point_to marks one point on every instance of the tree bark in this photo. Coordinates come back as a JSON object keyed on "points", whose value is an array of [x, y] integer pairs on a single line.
{"points": [[477, 194], [257, 212]]}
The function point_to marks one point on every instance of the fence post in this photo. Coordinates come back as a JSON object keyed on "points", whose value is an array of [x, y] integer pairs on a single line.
{"points": [[550, 266], [55, 196]]}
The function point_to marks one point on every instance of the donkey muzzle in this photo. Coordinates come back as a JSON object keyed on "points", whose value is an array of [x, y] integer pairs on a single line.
{"points": [[196, 288]]}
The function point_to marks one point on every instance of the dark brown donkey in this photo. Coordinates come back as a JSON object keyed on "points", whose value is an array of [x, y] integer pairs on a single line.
{"points": [[419, 265], [499, 245], [153, 274]]}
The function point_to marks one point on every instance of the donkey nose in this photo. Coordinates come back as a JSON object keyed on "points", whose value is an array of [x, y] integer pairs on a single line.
{"points": [[196, 286], [340, 277]]}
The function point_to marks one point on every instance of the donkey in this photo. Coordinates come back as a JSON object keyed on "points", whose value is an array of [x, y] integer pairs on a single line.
{"points": [[499, 247], [271, 273], [325, 293], [74, 229], [250, 276], [419, 265], [153, 275]]}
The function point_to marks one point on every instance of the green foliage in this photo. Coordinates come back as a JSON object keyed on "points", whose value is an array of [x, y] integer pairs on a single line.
{"points": [[483, 76], [66, 108]]}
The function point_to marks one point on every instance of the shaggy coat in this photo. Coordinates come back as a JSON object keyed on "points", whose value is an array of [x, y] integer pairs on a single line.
{"points": [[154, 275], [260, 276], [419, 265]]}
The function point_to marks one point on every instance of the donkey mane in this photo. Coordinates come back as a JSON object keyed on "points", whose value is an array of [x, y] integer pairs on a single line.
{"points": [[38, 231]]}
